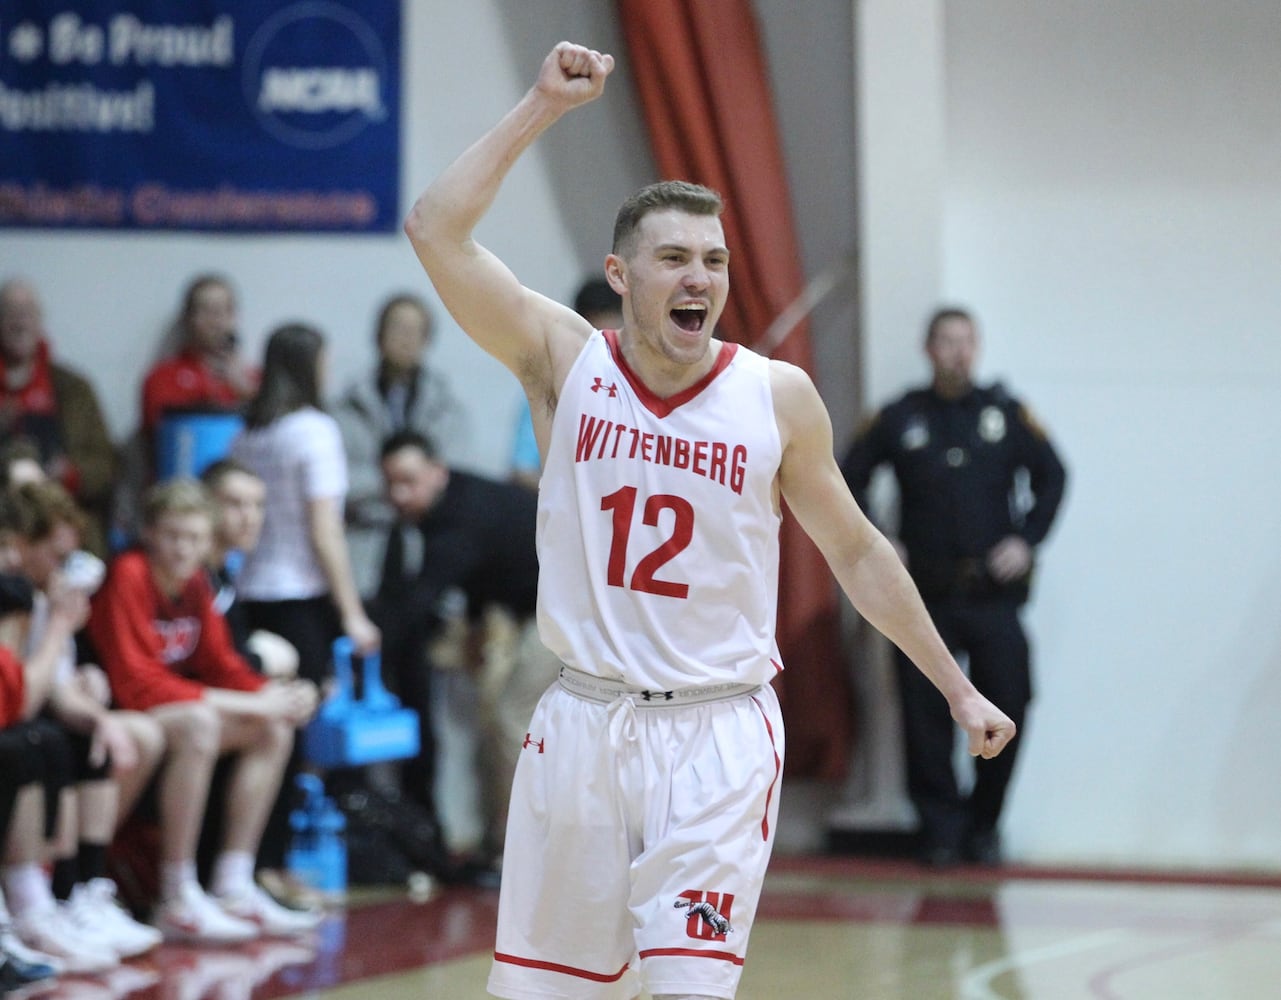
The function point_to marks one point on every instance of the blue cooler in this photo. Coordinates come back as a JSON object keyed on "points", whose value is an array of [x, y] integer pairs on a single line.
{"points": [[350, 731], [188, 442]]}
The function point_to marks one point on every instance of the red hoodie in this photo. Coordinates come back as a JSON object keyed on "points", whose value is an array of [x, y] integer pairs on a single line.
{"points": [[157, 649], [13, 686]]}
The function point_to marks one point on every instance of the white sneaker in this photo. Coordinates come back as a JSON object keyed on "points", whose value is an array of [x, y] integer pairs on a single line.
{"points": [[94, 905], [50, 929], [11, 944], [194, 916], [256, 906]]}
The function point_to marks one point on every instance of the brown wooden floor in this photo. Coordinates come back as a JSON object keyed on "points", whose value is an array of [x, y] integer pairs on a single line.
{"points": [[830, 929]]}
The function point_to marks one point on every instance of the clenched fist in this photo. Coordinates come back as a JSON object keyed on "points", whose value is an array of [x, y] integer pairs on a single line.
{"points": [[574, 74]]}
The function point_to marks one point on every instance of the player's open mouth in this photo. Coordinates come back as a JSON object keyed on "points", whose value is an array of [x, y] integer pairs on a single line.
{"points": [[689, 318]]}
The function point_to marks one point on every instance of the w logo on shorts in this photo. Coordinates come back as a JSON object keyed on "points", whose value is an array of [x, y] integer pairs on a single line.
{"points": [[708, 913]]}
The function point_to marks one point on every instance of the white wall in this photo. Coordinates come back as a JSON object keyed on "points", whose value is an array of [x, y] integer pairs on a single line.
{"points": [[1111, 206]]}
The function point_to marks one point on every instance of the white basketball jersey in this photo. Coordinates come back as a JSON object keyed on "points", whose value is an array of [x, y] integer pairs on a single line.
{"points": [[657, 534]]}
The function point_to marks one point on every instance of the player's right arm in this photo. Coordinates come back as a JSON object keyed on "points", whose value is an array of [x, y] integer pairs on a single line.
{"points": [[522, 329]]}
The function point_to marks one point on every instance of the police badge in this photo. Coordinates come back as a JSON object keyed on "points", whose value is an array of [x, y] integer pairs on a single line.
{"points": [[991, 424], [916, 435]]}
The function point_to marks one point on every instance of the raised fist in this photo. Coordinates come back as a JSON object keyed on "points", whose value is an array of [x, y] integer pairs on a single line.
{"points": [[574, 74]]}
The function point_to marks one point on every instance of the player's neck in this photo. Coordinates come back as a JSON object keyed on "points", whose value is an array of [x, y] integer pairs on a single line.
{"points": [[662, 375]]}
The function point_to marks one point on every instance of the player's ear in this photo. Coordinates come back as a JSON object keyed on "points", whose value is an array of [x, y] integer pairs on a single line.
{"points": [[616, 273]]}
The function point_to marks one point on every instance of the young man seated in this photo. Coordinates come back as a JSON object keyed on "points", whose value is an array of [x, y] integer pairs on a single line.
{"points": [[167, 652], [32, 770], [113, 754], [239, 498]]}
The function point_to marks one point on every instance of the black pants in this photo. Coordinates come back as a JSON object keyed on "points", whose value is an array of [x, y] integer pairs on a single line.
{"points": [[990, 634], [311, 625], [407, 672], [30, 752]]}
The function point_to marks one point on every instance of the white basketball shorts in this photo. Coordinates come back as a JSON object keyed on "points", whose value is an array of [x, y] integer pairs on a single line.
{"points": [[637, 842]]}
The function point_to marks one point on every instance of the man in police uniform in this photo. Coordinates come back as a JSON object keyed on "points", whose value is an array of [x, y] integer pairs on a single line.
{"points": [[979, 485]]}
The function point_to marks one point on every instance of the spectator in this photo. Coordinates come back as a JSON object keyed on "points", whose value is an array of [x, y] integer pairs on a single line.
{"points": [[402, 392], [475, 536], [56, 408], [113, 753], [297, 582], [167, 652], [204, 368], [239, 501], [34, 758], [959, 451]]}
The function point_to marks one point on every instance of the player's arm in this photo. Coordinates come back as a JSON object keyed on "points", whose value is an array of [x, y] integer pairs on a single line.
{"points": [[519, 327], [863, 560]]}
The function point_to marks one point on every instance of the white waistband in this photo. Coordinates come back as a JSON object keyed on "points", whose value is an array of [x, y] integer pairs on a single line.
{"points": [[605, 691]]}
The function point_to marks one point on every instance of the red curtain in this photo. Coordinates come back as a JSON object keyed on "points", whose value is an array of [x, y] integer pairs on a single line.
{"points": [[700, 75]]}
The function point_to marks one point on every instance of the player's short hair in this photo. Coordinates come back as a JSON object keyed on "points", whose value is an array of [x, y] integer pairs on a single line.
{"points": [[181, 495], [941, 316], [33, 510], [695, 199]]}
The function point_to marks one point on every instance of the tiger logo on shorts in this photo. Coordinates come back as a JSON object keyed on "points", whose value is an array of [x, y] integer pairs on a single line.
{"points": [[708, 914]]}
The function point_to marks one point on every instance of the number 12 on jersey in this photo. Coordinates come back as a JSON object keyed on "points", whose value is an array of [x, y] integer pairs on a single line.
{"points": [[622, 505]]}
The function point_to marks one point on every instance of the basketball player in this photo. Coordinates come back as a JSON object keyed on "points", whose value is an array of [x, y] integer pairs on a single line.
{"points": [[646, 795]]}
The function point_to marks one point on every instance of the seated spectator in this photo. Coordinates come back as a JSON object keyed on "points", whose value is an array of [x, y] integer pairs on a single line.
{"points": [[113, 753], [56, 408], [473, 535], [401, 392], [204, 368], [239, 499], [168, 653], [41, 759], [27, 766]]}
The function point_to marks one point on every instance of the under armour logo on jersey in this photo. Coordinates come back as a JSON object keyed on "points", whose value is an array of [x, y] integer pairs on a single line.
{"points": [[708, 913], [655, 695], [598, 384], [531, 742]]}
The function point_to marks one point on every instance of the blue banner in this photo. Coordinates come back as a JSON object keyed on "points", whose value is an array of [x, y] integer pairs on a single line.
{"points": [[212, 115]]}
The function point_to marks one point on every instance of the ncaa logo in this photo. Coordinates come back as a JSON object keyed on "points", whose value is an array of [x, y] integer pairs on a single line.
{"points": [[313, 75]]}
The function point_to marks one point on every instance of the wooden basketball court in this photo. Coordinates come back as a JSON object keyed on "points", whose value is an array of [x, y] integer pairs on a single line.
{"points": [[831, 929]]}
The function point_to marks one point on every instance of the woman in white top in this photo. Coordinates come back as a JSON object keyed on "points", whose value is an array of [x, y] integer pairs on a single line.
{"points": [[298, 581], [299, 575]]}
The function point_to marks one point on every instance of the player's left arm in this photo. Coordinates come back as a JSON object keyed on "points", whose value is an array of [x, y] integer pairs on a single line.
{"points": [[863, 560]]}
